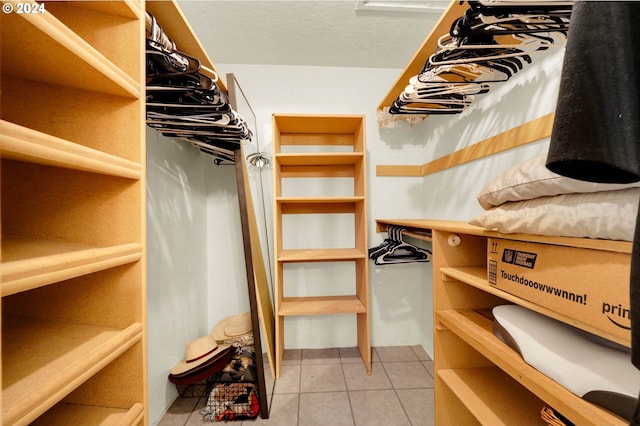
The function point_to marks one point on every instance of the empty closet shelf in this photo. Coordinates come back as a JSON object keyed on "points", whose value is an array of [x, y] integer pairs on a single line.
{"points": [[500, 400], [28, 263], [319, 159], [126, 8], [45, 41], [320, 255], [28, 145], [320, 205], [476, 276], [49, 359], [321, 305], [64, 414], [476, 330]]}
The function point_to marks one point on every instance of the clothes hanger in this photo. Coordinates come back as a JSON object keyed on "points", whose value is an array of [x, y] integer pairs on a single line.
{"points": [[399, 251], [473, 73], [521, 43], [491, 42]]}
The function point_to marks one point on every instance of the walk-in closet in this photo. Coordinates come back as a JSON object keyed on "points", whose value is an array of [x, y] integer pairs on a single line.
{"points": [[345, 212]]}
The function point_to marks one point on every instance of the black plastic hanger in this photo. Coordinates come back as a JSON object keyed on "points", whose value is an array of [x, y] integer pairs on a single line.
{"points": [[395, 250]]}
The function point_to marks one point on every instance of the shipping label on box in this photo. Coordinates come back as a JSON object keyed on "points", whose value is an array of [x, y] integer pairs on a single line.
{"points": [[591, 286]]}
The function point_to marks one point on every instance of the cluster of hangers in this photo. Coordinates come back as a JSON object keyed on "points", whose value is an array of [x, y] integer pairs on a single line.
{"points": [[489, 44], [183, 102], [395, 249]]}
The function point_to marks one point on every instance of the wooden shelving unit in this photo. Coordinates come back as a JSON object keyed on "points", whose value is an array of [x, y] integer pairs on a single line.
{"points": [[323, 147], [73, 214], [479, 379]]}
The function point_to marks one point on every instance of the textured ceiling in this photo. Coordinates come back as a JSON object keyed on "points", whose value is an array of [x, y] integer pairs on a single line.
{"points": [[308, 32]]}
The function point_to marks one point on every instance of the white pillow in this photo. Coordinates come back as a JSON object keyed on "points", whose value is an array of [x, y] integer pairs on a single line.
{"points": [[531, 179], [569, 357], [609, 215]]}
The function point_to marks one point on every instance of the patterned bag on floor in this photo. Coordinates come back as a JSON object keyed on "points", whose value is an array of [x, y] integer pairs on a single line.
{"points": [[231, 401]]}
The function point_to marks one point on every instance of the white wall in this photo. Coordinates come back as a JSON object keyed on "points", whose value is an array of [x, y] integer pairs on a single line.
{"points": [[177, 271]]}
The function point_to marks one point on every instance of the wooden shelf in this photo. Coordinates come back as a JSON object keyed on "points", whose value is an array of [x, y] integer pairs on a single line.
{"points": [[28, 145], [319, 159], [479, 379], [63, 414], [476, 330], [45, 42], [326, 147], [473, 275], [39, 378], [127, 8], [322, 305], [320, 255], [477, 277], [464, 228], [29, 263], [320, 205], [492, 397], [318, 125], [73, 271]]}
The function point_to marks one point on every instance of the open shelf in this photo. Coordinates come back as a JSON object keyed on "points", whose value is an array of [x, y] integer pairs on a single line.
{"points": [[28, 145], [320, 205], [29, 263], [477, 277], [321, 305], [320, 255], [127, 8], [492, 397], [326, 147], [73, 264], [44, 40], [319, 159], [64, 414], [476, 330], [479, 379], [39, 378]]}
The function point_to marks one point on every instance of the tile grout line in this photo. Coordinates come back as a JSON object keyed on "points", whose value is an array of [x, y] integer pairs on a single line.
{"points": [[299, 388], [353, 418], [395, 392]]}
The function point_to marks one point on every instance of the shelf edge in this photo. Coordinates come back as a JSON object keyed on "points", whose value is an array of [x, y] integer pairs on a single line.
{"points": [[24, 144], [68, 380], [30, 273]]}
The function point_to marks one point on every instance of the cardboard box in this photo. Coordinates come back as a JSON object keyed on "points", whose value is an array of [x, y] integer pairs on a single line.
{"points": [[591, 286]]}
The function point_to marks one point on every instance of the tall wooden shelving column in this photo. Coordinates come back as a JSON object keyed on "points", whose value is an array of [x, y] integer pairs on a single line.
{"points": [[313, 146], [73, 272]]}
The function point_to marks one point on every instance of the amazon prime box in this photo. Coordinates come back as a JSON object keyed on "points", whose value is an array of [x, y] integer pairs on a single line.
{"points": [[584, 286]]}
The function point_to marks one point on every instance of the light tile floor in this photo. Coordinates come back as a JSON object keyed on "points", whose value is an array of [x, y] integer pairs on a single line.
{"points": [[331, 387]]}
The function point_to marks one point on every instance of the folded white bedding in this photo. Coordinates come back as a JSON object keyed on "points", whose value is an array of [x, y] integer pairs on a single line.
{"points": [[608, 215], [531, 179]]}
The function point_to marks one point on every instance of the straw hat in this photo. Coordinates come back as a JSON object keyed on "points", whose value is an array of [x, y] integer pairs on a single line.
{"points": [[197, 353], [233, 326]]}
